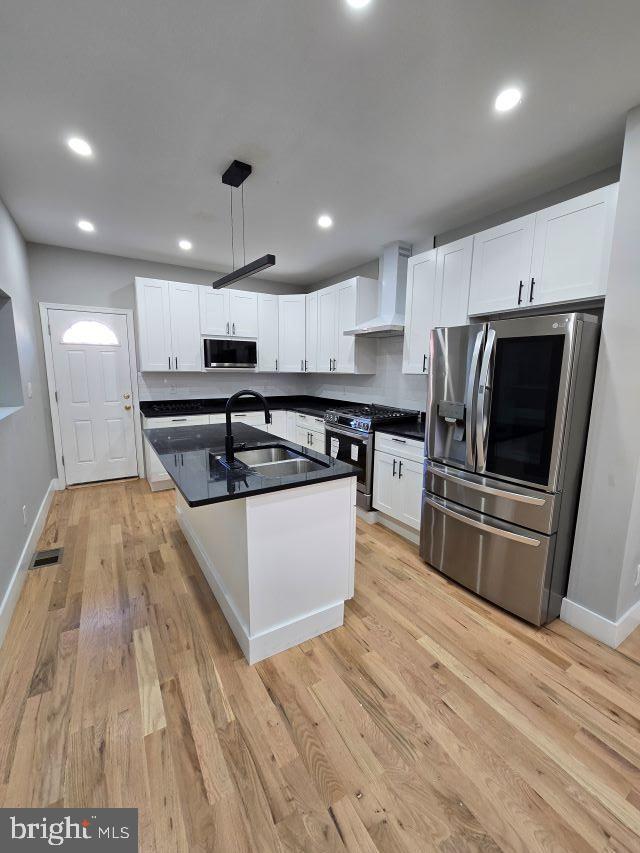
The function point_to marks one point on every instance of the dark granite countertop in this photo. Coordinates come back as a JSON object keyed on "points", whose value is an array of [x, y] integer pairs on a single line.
{"points": [[188, 454], [303, 403], [406, 429]]}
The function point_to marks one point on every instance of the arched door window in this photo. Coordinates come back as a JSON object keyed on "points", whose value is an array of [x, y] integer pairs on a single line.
{"points": [[90, 332]]}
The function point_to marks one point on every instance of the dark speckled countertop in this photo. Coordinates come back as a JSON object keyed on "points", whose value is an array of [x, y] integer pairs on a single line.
{"points": [[188, 454]]}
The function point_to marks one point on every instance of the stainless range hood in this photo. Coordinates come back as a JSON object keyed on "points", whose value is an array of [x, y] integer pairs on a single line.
{"points": [[393, 288]]}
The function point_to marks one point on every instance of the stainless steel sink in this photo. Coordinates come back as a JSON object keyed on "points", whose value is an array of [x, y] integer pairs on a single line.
{"points": [[264, 455], [277, 461]]}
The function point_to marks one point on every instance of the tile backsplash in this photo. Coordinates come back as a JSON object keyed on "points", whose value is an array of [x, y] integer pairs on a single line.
{"points": [[388, 385]]}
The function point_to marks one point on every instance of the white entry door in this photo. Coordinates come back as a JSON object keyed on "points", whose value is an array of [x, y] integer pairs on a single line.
{"points": [[95, 401]]}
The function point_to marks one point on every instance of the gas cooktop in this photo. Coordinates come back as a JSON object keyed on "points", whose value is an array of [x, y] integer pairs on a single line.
{"points": [[182, 407], [366, 418]]}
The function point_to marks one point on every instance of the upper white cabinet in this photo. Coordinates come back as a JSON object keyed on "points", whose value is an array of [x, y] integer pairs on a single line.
{"points": [[419, 311], [268, 306], [341, 307], [453, 275], [572, 248], [560, 254], [291, 333], [168, 323], [228, 313], [311, 332], [501, 265]]}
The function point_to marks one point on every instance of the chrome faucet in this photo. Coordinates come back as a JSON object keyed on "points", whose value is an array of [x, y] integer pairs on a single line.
{"points": [[228, 441]]}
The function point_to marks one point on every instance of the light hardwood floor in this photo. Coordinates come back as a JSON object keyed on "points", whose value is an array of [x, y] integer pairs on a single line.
{"points": [[430, 721]]}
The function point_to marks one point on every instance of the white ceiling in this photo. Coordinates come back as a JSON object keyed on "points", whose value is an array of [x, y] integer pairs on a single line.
{"points": [[383, 118]]}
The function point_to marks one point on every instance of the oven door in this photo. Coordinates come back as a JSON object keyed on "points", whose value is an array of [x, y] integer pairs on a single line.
{"points": [[355, 448], [523, 395], [226, 354]]}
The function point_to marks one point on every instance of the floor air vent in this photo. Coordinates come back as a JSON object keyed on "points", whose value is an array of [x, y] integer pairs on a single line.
{"points": [[46, 558]]}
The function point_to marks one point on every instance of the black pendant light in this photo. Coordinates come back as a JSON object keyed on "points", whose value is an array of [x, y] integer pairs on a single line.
{"points": [[234, 177]]}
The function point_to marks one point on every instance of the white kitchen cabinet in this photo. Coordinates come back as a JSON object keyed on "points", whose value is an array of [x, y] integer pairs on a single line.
{"points": [[291, 332], [268, 307], [341, 307], [291, 426], [453, 275], [311, 438], [501, 265], [214, 312], [228, 313], [311, 332], [243, 313], [397, 478], [572, 249], [167, 319], [278, 425], [155, 472], [419, 312]]}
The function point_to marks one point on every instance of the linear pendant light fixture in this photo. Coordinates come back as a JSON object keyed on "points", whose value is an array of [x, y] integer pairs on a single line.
{"points": [[234, 177]]}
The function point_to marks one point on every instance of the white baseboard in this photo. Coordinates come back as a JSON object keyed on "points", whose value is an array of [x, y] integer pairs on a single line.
{"points": [[605, 630], [14, 588], [257, 647], [397, 527]]}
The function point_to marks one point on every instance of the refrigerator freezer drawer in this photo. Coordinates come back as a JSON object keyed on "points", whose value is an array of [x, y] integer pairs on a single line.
{"points": [[514, 504], [505, 564]]}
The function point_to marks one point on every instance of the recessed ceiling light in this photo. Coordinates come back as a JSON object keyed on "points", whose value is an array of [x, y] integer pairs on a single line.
{"points": [[358, 4], [85, 225], [185, 245], [325, 221], [80, 146], [508, 99]]}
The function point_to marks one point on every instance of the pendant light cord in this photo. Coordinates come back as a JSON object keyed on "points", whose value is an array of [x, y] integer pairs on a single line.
{"points": [[233, 251], [244, 251]]}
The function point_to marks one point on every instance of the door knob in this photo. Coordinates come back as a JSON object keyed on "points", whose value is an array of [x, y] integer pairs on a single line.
{"points": [[126, 396], [127, 408]]}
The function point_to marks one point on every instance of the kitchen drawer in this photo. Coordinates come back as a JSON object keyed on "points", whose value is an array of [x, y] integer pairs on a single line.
{"points": [[253, 418], [216, 419], [178, 420], [309, 422], [405, 448]]}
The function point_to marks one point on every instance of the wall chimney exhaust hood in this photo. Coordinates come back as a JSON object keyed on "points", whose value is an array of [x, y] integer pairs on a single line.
{"points": [[389, 320]]}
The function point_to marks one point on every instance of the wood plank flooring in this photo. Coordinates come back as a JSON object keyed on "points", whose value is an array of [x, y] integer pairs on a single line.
{"points": [[430, 721]]}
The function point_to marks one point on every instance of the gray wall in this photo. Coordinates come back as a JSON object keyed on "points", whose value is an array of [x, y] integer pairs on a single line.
{"points": [[26, 444], [607, 544]]}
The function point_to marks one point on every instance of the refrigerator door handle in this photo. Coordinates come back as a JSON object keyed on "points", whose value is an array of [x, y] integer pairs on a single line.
{"points": [[480, 525], [483, 388], [471, 386]]}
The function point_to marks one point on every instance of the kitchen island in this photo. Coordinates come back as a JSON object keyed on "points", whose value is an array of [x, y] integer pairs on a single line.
{"points": [[273, 535]]}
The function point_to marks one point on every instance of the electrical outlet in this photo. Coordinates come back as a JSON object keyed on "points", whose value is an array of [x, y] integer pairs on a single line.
{"points": [[637, 582], [24, 514]]}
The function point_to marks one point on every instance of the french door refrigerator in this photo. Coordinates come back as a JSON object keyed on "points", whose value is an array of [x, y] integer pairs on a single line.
{"points": [[507, 422]]}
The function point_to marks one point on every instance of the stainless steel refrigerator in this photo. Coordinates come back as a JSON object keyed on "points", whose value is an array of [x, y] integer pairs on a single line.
{"points": [[507, 423]]}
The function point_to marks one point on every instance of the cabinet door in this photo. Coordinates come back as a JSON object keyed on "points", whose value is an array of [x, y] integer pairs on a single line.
{"points": [[316, 440], [311, 328], [384, 481], [327, 324], [291, 426], [501, 260], [154, 326], [408, 502], [243, 313], [185, 326], [572, 248], [267, 332], [302, 436], [278, 425], [453, 275], [346, 319], [214, 312], [291, 333], [419, 314]]}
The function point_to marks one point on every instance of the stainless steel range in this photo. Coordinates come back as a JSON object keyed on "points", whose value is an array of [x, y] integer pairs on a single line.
{"points": [[349, 435]]}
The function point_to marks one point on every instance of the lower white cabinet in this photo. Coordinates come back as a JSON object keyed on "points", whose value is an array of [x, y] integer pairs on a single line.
{"points": [[278, 425], [311, 438], [155, 471], [397, 479]]}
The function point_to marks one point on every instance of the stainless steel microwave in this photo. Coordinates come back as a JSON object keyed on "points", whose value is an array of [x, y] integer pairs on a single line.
{"points": [[229, 354]]}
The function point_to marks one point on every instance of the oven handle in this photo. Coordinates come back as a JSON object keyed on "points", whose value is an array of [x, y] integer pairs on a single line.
{"points": [[352, 433], [487, 528], [483, 388]]}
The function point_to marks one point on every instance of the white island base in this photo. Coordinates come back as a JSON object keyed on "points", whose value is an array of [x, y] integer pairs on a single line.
{"points": [[280, 565]]}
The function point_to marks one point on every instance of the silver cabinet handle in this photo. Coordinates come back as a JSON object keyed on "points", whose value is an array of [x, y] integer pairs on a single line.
{"points": [[311, 438], [482, 397], [469, 397], [178, 420], [276, 363], [305, 365], [227, 327], [233, 328], [533, 284], [399, 440], [302, 365], [176, 362], [487, 490], [394, 468], [424, 363], [302, 417], [169, 362], [330, 368], [400, 470], [480, 525]]}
